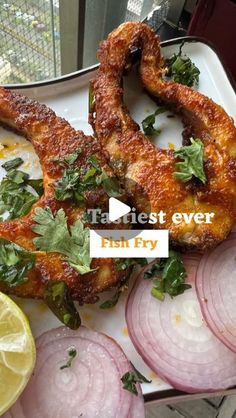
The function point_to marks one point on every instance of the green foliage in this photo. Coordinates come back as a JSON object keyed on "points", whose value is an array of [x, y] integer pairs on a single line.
{"points": [[148, 122], [192, 164], [168, 275], [130, 379], [73, 183], [72, 353], [56, 236], [182, 70], [15, 195], [15, 262]]}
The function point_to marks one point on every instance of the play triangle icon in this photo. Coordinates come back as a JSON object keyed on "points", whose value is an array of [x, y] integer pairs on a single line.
{"points": [[117, 209]]}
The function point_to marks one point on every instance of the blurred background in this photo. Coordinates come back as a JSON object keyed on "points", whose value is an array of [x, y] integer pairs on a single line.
{"points": [[43, 39]]}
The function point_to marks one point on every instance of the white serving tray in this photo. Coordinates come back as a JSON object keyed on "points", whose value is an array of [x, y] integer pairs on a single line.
{"points": [[68, 96]]}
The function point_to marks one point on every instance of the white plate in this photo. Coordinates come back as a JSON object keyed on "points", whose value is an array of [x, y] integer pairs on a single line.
{"points": [[69, 98]]}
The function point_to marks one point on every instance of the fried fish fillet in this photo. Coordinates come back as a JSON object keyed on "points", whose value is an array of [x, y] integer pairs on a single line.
{"points": [[134, 157], [53, 138]]}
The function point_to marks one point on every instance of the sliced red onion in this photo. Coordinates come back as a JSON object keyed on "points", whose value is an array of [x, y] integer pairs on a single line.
{"points": [[216, 290], [137, 409], [173, 339], [91, 387]]}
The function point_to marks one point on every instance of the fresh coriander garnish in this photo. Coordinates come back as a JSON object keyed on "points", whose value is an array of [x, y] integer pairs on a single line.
{"points": [[110, 303], [148, 122], [12, 164], [68, 185], [168, 275], [87, 218], [57, 297], [123, 264], [70, 159], [15, 262], [37, 185], [56, 236], [92, 159], [72, 353], [17, 176], [192, 164], [73, 183], [110, 184], [130, 379], [181, 69], [15, 196]]}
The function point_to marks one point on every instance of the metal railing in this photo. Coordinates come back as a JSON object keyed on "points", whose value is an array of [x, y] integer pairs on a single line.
{"points": [[29, 40], [42, 39]]}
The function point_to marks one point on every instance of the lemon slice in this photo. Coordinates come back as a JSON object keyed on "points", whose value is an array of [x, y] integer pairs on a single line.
{"points": [[17, 352]]}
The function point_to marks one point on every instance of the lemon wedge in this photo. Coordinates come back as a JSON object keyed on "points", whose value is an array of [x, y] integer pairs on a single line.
{"points": [[17, 352]]}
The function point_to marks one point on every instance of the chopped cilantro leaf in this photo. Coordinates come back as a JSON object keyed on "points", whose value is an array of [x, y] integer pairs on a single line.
{"points": [[192, 164], [12, 164], [67, 184], [70, 159], [72, 354], [182, 70], [110, 184], [73, 183], [56, 236], [37, 185], [15, 262], [123, 264], [15, 197], [94, 161], [110, 303], [148, 122], [130, 379], [168, 275]]}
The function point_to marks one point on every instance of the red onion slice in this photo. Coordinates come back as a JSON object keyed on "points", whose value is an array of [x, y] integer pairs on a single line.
{"points": [[216, 290], [91, 387], [174, 341], [137, 409]]}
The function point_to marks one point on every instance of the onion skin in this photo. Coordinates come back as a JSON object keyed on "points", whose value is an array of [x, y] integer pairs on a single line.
{"points": [[173, 339], [91, 387], [216, 290]]}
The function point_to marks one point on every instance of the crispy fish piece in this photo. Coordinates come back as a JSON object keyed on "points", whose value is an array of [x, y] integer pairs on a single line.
{"points": [[134, 157], [53, 138]]}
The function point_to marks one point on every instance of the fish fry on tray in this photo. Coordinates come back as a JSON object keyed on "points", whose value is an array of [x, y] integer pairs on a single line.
{"points": [[68, 158], [152, 176]]}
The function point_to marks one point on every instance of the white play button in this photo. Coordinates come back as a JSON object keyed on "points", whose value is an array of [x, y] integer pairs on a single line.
{"points": [[117, 209]]}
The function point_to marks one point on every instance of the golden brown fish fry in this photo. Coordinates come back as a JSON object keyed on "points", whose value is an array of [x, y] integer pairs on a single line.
{"points": [[134, 157], [53, 138]]}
